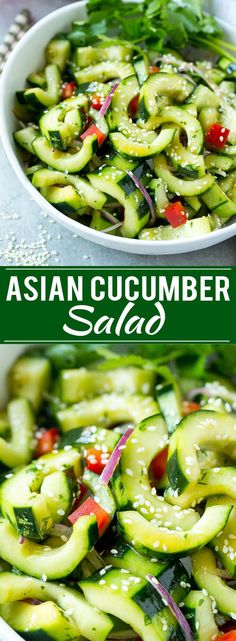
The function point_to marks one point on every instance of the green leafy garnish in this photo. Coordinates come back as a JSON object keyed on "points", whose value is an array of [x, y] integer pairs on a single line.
{"points": [[157, 24]]}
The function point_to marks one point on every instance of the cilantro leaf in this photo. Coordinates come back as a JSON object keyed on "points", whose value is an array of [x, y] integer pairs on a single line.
{"points": [[156, 24]]}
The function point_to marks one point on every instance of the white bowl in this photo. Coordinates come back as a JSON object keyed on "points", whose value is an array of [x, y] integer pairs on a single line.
{"points": [[28, 56]]}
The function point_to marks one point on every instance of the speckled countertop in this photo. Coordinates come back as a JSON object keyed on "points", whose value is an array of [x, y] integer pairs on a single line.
{"points": [[29, 236]]}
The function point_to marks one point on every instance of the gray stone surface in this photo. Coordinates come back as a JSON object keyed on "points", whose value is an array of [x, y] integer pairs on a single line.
{"points": [[27, 236]]}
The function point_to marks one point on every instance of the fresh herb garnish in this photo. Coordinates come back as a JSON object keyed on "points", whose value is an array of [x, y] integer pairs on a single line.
{"points": [[193, 361], [158, 24]]}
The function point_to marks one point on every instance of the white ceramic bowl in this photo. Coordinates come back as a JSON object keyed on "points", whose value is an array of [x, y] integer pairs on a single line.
{"points": [[28, 56]]}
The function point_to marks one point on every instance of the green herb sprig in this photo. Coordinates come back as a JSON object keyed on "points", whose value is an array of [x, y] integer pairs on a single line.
{"points": [[158, 24]]}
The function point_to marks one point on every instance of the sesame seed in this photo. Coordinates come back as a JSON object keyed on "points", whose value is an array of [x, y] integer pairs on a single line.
{"points": [[129, 472]]}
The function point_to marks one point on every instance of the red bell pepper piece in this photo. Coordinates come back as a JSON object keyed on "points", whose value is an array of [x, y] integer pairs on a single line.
{"points": [[96, 460], [68, 90], [153, 69], [97, 102], [133, 105], [46, 442], [217, 136], [82, 494], [91, 507], [175, 214], [93, 129], [158, 464], [229, 636], [190, 406]]}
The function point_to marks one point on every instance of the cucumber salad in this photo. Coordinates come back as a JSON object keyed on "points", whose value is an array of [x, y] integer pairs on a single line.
{"points": [[132, 139], [118, 494]]}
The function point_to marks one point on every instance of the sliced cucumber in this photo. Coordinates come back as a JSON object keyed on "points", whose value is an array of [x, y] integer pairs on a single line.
{"points": [[30, 378], [207, 117], [163, 543], [130, 601], [89, 195], [86, 56], [44, 621], [63, 122], [211, 73], [203, 96], [198, 611], [107, 410], [91, 623], [158, 86], [39, 98], [22, 112], [206, 577], [4, 422], [102, 493], [186, 121], [227, 88], [24, 496], [226, 65], [191, 109], [55, 563], [125, 557], [227, 119], [148, 440], [160, 196], [58, 52], [193, 202], [213, 481], [25, 137], [184, 161], [225, 544], [118, 114], [219, 203], [101, 223], [77, 384], [177, 185], [18, 449], [170, 402], [141, 64], [191, 229], [37, 79], [59, 490], [97, 88], [183, 466], [104, 71], [65, 199], [214, 162], [121, 187], [63, 160], [132, 149], [82, 439], [123, 164]]}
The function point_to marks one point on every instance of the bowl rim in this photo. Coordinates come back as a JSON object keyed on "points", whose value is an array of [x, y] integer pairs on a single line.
{"points": [[115, 242]]}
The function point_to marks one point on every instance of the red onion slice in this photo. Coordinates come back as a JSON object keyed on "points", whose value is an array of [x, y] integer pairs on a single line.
{"points": [[167, 600], [114, 459], [59, 529], [21, 540], [214, 390], [108, 100], [145, 193], [112, 228], [33, 601]]}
